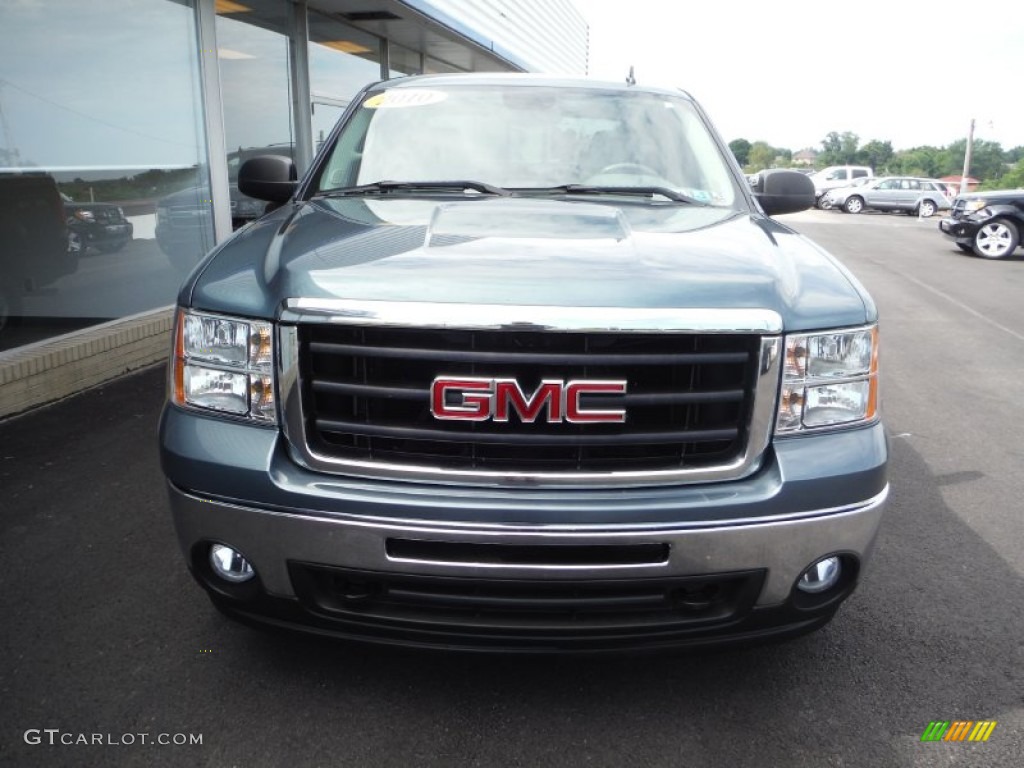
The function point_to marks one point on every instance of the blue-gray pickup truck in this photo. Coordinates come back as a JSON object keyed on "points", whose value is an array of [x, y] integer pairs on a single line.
{"points": [[525, 364]]}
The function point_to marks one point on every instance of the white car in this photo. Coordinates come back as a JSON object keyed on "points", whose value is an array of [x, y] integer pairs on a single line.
{"points": [[836, 176]]}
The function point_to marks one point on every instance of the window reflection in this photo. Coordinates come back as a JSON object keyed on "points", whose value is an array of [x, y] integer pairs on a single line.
{"points": [[252, 54], [88, 154], [403, 61], [342, 60]]}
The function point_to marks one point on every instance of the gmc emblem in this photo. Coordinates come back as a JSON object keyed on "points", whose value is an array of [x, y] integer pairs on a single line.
{"points": [[484, 399]]}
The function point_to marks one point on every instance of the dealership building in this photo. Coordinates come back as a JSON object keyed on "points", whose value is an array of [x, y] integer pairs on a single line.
{"points": [[141, 111]]}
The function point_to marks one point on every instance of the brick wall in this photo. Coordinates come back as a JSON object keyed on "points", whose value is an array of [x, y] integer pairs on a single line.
{"points": [[50, 370]]}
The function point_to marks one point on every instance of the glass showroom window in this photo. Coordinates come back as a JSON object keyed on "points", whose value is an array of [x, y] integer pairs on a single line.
{"points": [[96, 164], [252, 56]]}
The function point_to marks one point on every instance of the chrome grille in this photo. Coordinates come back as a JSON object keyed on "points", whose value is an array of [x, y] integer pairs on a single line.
{"points": [[354, 380], [366, 397]]}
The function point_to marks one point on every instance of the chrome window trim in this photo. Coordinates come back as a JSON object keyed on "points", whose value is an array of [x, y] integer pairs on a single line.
{"points": [[552, 319]]}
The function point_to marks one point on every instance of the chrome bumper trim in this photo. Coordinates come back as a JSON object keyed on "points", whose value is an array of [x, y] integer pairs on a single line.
{"points": [[785, 547]]}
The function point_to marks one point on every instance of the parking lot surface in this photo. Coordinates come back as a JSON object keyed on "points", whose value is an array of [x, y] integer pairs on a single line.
{"points": [[104, 632]]}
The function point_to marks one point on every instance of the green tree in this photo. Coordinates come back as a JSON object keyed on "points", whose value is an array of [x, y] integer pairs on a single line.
{"points": [[927, 161], [876, 154], [839, 148], [986, 159], [1014, 155], [741, 149], [762, 155], [1012, 179]]}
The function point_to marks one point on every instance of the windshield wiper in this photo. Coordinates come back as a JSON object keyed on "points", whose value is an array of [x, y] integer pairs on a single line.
{"points": [[589, 189], [415, 186]]}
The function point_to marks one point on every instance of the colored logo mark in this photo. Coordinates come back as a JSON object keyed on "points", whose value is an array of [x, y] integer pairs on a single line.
{"points": [[958, 730]]}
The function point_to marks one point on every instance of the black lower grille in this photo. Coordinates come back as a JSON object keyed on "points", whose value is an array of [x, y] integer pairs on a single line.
{"points": [[552, 609], [366, 396]]}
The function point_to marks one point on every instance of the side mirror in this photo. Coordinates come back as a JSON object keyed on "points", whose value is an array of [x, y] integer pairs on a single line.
{"points": [[268, 177], [781, 191]]}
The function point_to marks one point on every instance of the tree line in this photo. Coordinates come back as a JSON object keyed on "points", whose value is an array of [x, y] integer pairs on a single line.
{"points": [[990, 163]]}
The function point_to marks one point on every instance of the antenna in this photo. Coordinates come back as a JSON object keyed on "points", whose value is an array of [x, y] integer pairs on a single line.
{"points": [[630, 80]]}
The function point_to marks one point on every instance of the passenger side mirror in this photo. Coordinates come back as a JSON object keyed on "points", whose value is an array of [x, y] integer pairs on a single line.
{"points": [[781, 191], [268, 177]]}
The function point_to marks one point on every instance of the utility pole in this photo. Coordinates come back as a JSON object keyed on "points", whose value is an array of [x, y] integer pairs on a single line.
{"points": [[967, 159]]}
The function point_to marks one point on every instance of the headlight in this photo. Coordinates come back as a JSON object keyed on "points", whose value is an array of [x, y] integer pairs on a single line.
{"points": [[224, 364], [829, 380], [84, 215], [974, 205]]}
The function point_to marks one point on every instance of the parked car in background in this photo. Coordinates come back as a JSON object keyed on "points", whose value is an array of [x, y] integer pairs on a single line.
{"points": [[102, 226], [825, 201], [183, 219], [836, 176], [922, 197], [989, 224]]}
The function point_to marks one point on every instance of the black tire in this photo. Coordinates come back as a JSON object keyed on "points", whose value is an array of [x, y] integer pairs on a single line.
{"points": [[854, 204], [996, 239]]}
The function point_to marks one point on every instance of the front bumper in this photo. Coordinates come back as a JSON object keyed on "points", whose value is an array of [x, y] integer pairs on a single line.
{"points": [[520, 569], [960, 230], [100, 234]]}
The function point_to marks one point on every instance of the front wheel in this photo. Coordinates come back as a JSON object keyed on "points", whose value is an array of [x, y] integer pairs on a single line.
{"points": [[996, 240], [854, 204], [926, 209], [825, 204]]}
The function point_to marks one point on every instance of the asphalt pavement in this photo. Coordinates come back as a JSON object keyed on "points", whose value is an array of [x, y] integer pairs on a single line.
{"points": [[105, 635]]}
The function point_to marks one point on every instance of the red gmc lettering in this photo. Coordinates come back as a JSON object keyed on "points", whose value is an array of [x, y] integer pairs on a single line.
{"points": [[507, 393], [482, 399], [474, 407], [575, 413]]}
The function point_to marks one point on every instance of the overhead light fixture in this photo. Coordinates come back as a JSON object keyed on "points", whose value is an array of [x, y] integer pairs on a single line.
{"points": [[223, 7], [371, 16], [227, 53], [346, 46]]}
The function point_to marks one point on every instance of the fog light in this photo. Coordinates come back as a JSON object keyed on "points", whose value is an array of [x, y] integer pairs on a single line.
{"points": [[229, 564], [821, 576]]}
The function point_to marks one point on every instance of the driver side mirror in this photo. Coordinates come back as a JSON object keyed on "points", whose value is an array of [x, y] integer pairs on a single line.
{"points": [[268, 177], [781, 191]]}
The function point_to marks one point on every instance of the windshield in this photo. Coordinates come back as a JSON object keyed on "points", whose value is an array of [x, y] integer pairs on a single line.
{"points": [[530, 139]]}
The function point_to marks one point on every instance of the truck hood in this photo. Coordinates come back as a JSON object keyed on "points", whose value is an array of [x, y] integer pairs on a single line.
{"points": [[527, 251]]}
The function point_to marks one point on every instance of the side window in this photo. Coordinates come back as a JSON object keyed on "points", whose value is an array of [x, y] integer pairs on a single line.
{"points": [[859, 174], [910, 184], [888, 184]]}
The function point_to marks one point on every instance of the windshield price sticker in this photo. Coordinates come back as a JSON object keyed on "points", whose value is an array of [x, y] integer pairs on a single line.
{"points": [[404, 98]]}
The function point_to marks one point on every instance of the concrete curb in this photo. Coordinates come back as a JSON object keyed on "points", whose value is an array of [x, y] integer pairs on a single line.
{"points": [[55, 368]]}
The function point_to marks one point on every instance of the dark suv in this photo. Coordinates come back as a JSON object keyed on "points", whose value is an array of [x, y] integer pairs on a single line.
{"points": [[989, 224], [524, 364], [102, 226]]}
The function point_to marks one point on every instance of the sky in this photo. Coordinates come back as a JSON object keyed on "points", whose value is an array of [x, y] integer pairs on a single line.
{"points": [[790, 71]]}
